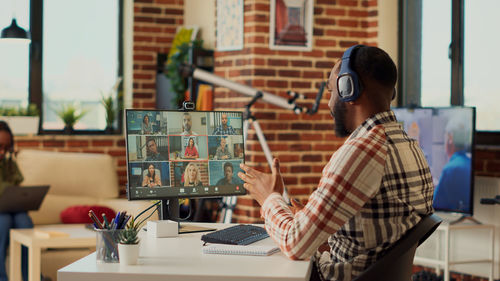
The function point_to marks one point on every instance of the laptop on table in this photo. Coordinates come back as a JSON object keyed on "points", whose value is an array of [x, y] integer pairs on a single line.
{"points": [[22, 198]]}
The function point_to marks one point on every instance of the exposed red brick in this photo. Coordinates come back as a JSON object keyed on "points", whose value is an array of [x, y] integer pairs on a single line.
{"points": [[53, 143]]}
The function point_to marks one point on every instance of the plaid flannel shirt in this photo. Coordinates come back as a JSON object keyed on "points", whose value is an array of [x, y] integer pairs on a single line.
{"points": [[374, 188], [221, 131]]}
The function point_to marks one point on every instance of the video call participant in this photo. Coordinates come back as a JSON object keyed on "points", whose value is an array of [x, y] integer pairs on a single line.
{"points": [[228, 178], [190, 152], [146, 126], [187, 123], [358, 207], [152, 177], [192, 175], [152, 151], [224, 128], [454, 183], [10, 175], [222, 151]]}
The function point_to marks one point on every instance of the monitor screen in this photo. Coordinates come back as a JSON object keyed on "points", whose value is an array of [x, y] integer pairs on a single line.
{"points": [[446, 136], [177, 154]]}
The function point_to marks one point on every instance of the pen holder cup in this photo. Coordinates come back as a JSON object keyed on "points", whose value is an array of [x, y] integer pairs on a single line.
{"points": [[107, 245]]}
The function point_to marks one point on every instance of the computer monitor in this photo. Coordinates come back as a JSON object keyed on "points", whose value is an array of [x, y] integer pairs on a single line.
{"points": [[446, 136], [177, 154]]}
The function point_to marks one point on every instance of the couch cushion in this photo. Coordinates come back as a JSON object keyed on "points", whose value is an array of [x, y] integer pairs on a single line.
{"points": [[69, 173], [80, 213], [53, 205]]}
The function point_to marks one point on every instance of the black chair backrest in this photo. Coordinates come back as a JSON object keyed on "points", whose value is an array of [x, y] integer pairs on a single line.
{"points": [[397, 262]]}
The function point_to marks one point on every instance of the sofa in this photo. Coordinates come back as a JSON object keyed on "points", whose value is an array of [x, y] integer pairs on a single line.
{"points": [[75, 179]]}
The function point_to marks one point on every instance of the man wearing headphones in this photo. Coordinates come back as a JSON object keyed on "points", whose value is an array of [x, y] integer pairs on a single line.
{"points": [[374, 188]]}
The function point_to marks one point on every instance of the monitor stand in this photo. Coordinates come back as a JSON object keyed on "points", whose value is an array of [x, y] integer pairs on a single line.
{"points": [[169, 210], [455, 218]]}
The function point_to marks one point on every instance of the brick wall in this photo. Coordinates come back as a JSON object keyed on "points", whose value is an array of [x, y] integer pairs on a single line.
{"points": [[303, 143]]}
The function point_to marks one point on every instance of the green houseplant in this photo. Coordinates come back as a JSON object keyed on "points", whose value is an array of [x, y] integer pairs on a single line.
{"points": [[175, 61], [22, 120], [128, 238], [70, 114], [112, 106]]}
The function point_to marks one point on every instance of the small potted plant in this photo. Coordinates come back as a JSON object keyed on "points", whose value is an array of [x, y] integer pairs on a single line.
{"points": [[128, 238], [112, 105], [70, 114], [128, 247], [22, 120]]}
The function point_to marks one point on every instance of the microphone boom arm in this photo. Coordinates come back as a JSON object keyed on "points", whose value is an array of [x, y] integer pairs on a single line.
{"points": [[200, 74]]}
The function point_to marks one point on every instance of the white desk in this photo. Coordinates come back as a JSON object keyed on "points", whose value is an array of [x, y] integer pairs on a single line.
{"points": [[181, 258]]}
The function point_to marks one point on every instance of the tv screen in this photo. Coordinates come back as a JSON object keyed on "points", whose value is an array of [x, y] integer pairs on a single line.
{"points": [[446, 136], [176, 154]]}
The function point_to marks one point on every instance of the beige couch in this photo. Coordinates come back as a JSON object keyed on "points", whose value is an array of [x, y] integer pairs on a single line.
{"points": [[74, 179]]}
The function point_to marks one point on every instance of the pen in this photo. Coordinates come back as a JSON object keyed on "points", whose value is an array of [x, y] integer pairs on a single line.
{"points": [[117, 217], [106, 224], [121, 219], [94, 218]]}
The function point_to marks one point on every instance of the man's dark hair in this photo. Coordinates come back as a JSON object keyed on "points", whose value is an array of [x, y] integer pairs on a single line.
{"points": [[372, 63], [228, 164], [150, 139]]}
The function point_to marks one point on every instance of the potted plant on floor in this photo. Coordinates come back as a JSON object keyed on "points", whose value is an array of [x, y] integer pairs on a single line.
{"points": [[22, 120], [70, 114]]}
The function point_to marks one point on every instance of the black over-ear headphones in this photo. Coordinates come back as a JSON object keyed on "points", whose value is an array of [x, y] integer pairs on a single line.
{"points": [[349, 85]]}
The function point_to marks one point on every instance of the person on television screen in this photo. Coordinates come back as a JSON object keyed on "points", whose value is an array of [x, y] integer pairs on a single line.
{"points": [[190, 152], [192, 175], [152, 151], [453, 189], [152, 177], [228, 178], [10, 175], [187, 123], [375, 187], [147, 126], [224, 128], [222, 151]]}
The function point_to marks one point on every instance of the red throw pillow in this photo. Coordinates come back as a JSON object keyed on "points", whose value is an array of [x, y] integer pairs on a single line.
{"points": [[80, 214]]}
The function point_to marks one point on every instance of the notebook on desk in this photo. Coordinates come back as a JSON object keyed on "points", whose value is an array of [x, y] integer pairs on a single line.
{"points": [[22, 198]]}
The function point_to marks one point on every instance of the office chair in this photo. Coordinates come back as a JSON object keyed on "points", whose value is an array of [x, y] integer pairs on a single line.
{"points": [[397, 262]]}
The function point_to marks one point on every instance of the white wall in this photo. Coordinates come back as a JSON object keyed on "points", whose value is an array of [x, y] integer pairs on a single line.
{"points": [[202, 14], [388, 27]]}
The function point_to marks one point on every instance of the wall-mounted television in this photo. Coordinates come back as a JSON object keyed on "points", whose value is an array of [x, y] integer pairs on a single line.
{"points": [[446, 136]]}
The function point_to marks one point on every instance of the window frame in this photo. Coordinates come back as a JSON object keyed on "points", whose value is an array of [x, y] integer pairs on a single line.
{"points": [[35, 87], [409, 48]]}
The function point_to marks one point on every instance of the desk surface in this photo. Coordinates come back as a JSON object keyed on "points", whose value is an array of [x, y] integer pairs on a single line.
{"points": [[181, 258]]}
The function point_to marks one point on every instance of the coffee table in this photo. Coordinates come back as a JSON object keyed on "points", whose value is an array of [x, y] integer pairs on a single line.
{"points": [[79, 237]]}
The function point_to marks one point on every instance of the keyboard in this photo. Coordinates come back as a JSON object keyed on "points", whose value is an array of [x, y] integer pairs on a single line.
{"points": [[242, 234]]}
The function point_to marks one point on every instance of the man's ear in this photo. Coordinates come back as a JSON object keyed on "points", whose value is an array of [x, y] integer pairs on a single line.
{"points": [[394, 94]]}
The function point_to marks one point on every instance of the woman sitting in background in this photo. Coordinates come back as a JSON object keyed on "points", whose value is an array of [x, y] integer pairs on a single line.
{"points": [[10, 175]]}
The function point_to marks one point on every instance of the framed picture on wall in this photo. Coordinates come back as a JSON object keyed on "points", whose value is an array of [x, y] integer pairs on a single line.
{"points": [[291, 25], [229, 25]]}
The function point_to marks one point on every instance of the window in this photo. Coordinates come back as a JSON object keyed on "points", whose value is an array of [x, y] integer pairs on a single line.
{"points": [[75, 60], [447, 50], [14, 56]]}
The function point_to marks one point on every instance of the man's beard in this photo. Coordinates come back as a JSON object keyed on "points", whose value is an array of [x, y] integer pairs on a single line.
{"points": [[339, 114]]}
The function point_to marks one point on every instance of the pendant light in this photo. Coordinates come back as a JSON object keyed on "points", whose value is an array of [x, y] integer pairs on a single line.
{"points": [[14, 31]]}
